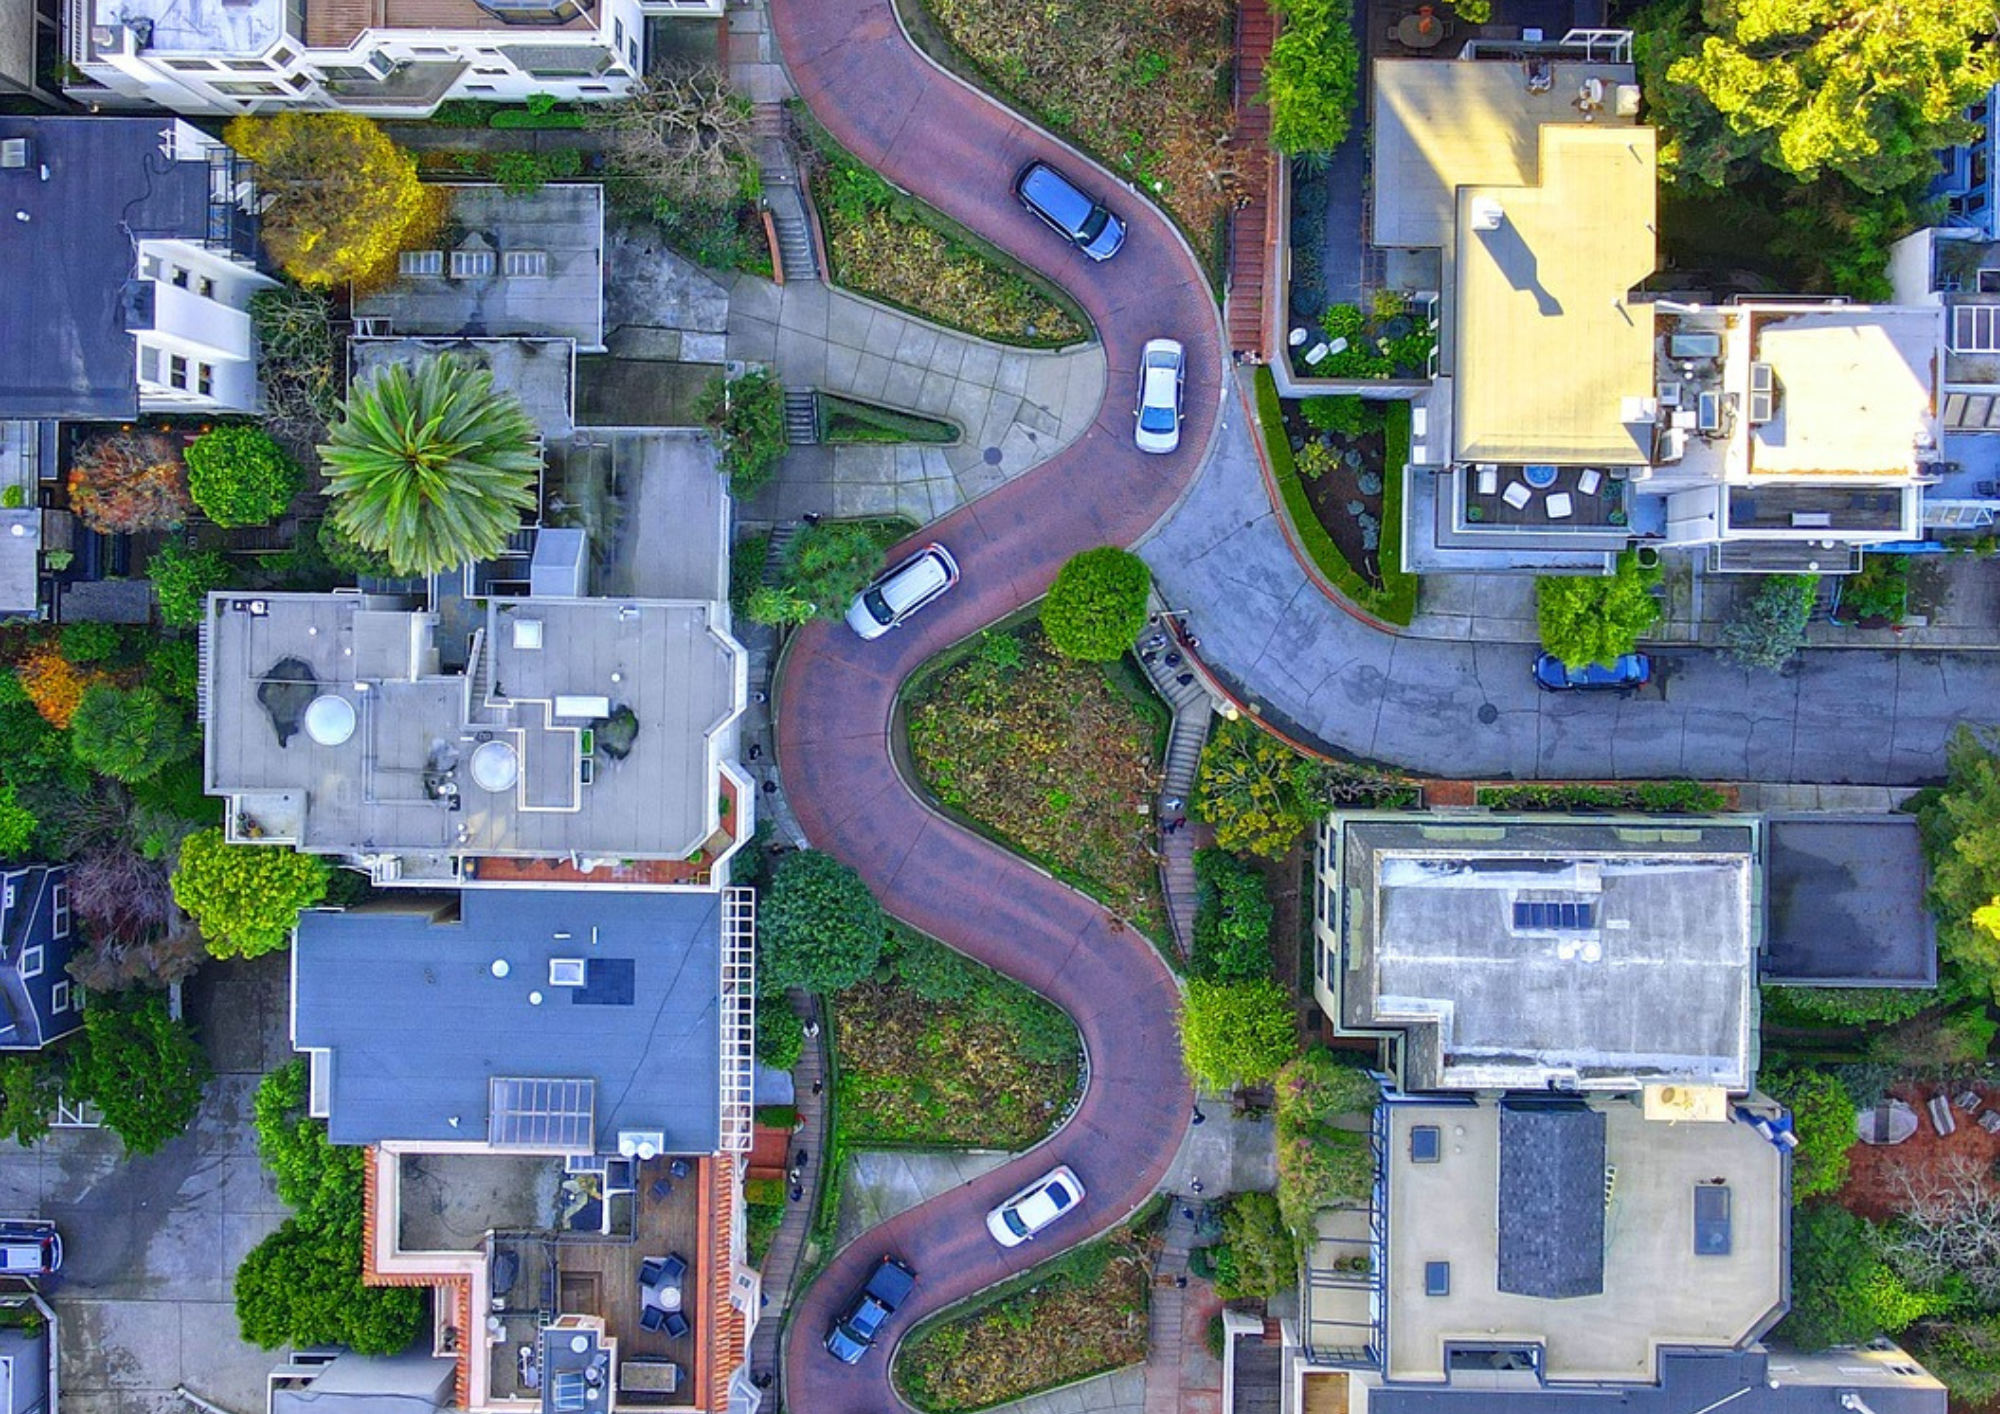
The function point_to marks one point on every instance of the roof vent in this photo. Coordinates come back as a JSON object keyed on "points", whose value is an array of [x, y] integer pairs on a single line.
{"points": [[1487, 214], [13, 153], [565, 972], [496, 766], [330, 720]]}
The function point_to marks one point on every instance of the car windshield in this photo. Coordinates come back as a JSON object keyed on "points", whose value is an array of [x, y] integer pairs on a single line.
{"points": [[1156, 419], [1093, 225], [878, 607], [1013, 1221]]}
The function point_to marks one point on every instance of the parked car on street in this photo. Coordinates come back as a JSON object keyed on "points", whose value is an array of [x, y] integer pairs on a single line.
{"points": [[1630, 670], [1162, 371], [902, 591], [29, 1247], [1072, 213], [853, 1332], [1035, 1207]]}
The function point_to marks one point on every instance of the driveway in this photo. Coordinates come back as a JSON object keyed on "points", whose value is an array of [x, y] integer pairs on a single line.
{"points": [[959, 151], [145, 1302], [1465, 709]]}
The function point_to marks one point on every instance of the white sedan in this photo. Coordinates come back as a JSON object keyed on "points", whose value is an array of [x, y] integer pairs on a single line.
{"points": [[1162, 369], [1034, 1207]]}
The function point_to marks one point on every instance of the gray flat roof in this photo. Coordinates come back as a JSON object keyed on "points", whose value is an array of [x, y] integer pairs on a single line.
{"points": [[1516, 951], [1846, 902], [68, 263], [1551, 1199], [417, 1025], [408, 780], [562, 297], [540, 372]]}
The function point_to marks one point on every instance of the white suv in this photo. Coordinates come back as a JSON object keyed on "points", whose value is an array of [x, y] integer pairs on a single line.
{"points": [[1035, 1207], [902, 591]]}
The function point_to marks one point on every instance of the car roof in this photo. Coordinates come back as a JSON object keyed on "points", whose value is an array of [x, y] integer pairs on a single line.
{"points": [[1056, 194], [924, 575], [1161, 348]]}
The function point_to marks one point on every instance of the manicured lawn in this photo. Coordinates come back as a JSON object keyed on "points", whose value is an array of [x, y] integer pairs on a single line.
{"points": [[1082, 1314], [891, 247], [1144, 87], [984, 1065], [1052, 756]]}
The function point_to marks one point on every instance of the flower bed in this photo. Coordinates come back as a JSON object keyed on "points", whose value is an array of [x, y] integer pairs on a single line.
{"points": [[1144, 88], [891, 247], [1054, 757], [1082, 1314], [1662, 797]]}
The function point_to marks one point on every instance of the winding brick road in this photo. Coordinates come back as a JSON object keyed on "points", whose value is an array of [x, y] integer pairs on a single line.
{"points": [[959, 151]]}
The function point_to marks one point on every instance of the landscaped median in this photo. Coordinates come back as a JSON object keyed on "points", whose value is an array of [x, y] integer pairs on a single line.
{"points": [[1393, 596], [1082, 1314]]}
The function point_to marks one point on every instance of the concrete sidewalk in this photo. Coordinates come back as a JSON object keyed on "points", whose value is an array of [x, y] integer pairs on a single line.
{"points": [[1017, 407]]}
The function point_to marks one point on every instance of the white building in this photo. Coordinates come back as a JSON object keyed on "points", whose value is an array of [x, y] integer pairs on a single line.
{"points": [[398, 58]]}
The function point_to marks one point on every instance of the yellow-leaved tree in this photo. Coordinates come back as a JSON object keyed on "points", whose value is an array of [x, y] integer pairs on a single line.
{"points": [[344, 198]]}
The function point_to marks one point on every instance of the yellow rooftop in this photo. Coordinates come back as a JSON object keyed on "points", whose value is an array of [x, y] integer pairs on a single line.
{"points": [[1551, 352]]}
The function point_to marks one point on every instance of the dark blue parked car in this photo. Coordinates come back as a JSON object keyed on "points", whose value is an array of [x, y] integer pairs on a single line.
{"points": [[1631, 670], [853, 1332]]}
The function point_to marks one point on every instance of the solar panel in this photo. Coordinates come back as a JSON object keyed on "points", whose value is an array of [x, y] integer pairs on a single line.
{"points": [[567, 1390], [525, 1113], [1531, 916]]}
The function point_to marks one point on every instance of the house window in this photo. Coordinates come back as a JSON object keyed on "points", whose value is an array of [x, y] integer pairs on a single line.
{"points": [[204, 379], [249, 90], [59, 997], [527, 264], [190, 66], [149, 364], [618, 33], [246, 66], [420, 262], [204, 286], [479, 88], [1975, 328], [1437, 1278], [31, 961], [177, 370], [466, 264], [282, 57], [59, 900], [178, 278]]}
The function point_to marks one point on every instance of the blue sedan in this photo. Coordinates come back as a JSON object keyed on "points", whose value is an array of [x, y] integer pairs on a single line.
{"points": [[1629, 670]]}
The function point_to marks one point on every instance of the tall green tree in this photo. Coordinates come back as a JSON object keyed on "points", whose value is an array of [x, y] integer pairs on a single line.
{"points": [[239, 476], [1258, 793], [245, 898], [1596, 619], [302, 1286], [1236, 1033], [818, 925], [1868, 90], [431, 467], [142, 1069], [1961, 832], [746, 416], [1823, 1116], [1311, 79], [129, 734]]}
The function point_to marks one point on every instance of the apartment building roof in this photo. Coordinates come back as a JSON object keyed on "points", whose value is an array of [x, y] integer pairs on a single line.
{"points": [[335, 24], [466, 1021], [1855, 386]]}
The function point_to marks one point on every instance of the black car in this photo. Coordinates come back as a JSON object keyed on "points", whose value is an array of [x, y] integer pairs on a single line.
{"points": [[853, 1331], [1076, 216]]}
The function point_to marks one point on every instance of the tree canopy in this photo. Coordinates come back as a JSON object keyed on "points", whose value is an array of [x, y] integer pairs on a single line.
{"points": [[302, 1286], [432, 467], [1236, 1033], [183, 578], [1258, 793], [746, 416], [1097, 606], [1867, 90], [818, 925], [1311, 79], [129, 734], [1596, 619], [1232, 920], [1769, 626], [142, 1069], [1961, 831], [344, 198], [245, 898], [238, 476]]}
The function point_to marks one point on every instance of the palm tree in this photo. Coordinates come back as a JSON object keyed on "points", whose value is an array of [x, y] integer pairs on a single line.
{"points": [[431, 466]]}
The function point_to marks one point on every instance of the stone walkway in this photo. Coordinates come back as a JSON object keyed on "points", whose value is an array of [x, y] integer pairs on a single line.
{"points": [[1016, 407], [781, 1263]]}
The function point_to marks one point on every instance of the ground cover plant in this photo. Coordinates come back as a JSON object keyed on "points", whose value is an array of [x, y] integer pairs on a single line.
{"points": [[845, 420], [824, 567], [889, 246], [746, 416], [1145, 89], [1334, 536], [1051, 755], [946, 1052], [1082, 1314], [1664, 797]]}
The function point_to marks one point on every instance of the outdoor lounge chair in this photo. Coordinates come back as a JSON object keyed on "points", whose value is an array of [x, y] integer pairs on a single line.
{"points": [[1559, 506], [1968, 1101], [1989, 1121], [1516, 495], [677, 1324], [653, 1319], [674, 1268], [650, 1272]]}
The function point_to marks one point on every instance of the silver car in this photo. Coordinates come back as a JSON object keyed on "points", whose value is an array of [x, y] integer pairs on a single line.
{"points": [[1162, 369], [902, 591]]}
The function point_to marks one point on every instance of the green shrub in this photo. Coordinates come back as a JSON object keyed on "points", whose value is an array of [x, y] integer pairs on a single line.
{"points": [[1880, 591], [1321, 1161], [131, 734], [302, 1286], [183, 578], [245, 898], [1348, 414], [781, 1035], [1265, 1261], [1588, 619], [1236, 1033], [320, 1180], [1770, 625], [90, 642], [1232, 920], [1843, 1291], [1846, 1006], [1823, 1116], [1097, 606], [174, 667], [747, 418], [826, 566], [1311, 79], [844, 420], [818, 925], [237, 475]]}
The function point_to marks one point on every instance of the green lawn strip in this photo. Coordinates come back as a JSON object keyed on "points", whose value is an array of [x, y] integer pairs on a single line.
{"points": [[966, 725], [1009, 284], [1396, 601], [1081, 1314], [764, 1204], [1665, 797], [846, 420]]}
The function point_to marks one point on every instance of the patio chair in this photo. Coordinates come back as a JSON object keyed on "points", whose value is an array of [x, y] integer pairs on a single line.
{"points": [[660, 1189], [1489, 478], [1559, 506], [1939, 1110], [650, 1272], [679, 1168], [1589, 480], [1989, 1120], [1968, 1100], [1517, 495], [653, 1319], [677, 1325], [674, 1268]]}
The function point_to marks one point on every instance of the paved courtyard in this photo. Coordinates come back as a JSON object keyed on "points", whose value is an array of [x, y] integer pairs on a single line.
{"points": [[151, 1244]]}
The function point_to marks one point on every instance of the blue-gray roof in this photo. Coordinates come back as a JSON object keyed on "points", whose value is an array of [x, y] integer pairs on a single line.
{"points": [[418, 1026], [1551, 1199], [1845, 902], [67, 264]]}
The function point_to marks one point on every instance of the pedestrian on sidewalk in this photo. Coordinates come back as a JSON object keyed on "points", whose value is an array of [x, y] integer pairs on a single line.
{"points": [[818, 1085]]}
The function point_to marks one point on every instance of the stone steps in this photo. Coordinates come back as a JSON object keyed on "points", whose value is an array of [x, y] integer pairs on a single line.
{"points": [[801, 418]]}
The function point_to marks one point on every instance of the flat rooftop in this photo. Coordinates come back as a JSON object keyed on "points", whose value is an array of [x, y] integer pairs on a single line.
{"points": [[1846, 902], [418, 1028], [518, 266], [540, 372], [1657, 1290], [197, 27], [1855, 388], [520, 755], [1516, 952], [1552, 352]]}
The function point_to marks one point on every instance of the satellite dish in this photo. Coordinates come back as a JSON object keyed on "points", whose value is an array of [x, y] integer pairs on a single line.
{"points": [[495, 766], [329, 720]]}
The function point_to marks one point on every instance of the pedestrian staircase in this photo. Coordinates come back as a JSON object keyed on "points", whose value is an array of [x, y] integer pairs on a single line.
{"points": [[778, 551], [1193, 709], [796, 261], [801, 418], [1250, 224]]}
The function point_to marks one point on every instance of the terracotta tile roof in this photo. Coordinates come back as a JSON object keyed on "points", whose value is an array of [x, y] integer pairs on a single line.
{"points": [[729, 1336], [455, 1289]]}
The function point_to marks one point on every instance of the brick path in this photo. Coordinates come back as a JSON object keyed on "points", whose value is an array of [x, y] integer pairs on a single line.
{"points": [[782, 1262]]}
